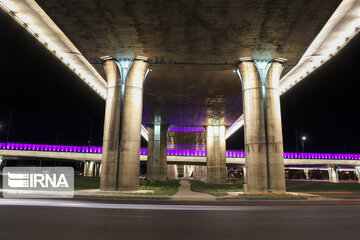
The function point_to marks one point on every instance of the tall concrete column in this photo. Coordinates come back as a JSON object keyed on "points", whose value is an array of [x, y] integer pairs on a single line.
{"points": [[333, 174], [180, 170], [97, 170], [172, 172], [306, 172], [200, 173], [262, 124], [157, 152], [86, 168], [131, 126], [188, 171], [215, 154], [91, 169], [357, 171], [110, 161]]}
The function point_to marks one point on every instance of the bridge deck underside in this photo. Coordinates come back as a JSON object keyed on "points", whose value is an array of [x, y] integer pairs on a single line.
{"points": [[193, 46]]}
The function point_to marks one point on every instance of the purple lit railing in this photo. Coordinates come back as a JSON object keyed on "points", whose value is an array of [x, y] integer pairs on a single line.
{"points": [[49, 148], [170, 152]]}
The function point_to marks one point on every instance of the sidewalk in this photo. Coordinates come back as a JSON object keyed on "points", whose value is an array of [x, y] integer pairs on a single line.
{"points": [[185, 194]]}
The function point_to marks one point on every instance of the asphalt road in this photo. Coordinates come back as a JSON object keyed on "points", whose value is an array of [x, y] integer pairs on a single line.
{"points": [[69, 219]]}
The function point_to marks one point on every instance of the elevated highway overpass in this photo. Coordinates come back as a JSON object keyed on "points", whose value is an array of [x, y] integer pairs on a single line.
{"points": [[213, 65], [92, 156]]}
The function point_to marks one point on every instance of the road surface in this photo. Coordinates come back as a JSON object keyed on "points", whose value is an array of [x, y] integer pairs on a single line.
{"points": [[74, 219]]}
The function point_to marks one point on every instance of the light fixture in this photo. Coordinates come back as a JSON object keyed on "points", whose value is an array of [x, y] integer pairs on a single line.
{"points": [[245, 59], [143, 58]]}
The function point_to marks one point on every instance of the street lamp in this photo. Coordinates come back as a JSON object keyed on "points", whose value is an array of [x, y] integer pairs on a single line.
{"points": [[303, 138]]}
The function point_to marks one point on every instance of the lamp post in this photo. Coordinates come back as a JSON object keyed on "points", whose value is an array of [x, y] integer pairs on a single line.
{"points": [[303, 138]]}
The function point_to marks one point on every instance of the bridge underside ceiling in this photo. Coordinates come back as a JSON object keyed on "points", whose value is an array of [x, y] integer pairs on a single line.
{"points": [[193, 46]]}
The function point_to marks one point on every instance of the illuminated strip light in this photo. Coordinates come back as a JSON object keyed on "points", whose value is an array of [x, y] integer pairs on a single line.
{"points": [[319, 168], [186, 129], [144, 133], [34, 20], [342, 26], [233, 128], [187, 145], [170, 152]]}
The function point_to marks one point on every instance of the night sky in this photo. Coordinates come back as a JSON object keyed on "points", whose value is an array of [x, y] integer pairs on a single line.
{"points": [[50, 105]]}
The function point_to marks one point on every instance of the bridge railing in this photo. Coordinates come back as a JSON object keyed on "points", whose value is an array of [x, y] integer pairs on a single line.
{"points": [[170, 152]]}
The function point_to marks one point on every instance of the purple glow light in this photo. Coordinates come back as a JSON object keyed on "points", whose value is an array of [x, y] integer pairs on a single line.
{"points": [[186, 129], [170, 152], [186, 145]]}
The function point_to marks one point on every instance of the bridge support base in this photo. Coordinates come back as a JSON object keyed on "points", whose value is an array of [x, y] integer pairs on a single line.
{"points": [[333, 174], [89, 168], [188, 171], [200, 173], [357, 171], [180, 170], [110, 161], [97, 170], [128, 178], [262, 124], [306, 172], [172, 172], [157, 152], [215, 154]]}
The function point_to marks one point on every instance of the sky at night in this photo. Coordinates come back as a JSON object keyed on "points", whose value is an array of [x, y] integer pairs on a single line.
{"points": [[50, 105]]}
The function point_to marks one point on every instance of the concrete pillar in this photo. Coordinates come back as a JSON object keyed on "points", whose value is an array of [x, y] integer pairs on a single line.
{"points": [[172, 172], [157, 152], [200, 173], [191, 171], [91, 169], [244, 172], [186, 171], [100, 167], [262, 124], [180, 170], [216, 154], [357, 171], [86, 168], [1, 160], [110, 161], [333, 174], [97, 170], [306, 172], [131, 126]]}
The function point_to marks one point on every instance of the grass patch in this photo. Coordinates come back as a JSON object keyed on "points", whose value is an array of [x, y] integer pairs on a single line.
{"points": [[163, 188], [220, 194], [216, 189], [326, 189], [83, 183], [322, 187], [270, 196]]}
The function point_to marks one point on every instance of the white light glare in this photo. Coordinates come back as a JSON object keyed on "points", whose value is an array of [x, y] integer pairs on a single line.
{"points": [[24, 18], [9, 5]]}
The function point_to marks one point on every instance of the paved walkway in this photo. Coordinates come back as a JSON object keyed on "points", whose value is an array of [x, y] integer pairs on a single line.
{"points": [[185, 194]]}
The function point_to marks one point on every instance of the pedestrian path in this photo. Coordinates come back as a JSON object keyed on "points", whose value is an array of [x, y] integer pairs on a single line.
{"points": [[185, 194]]}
